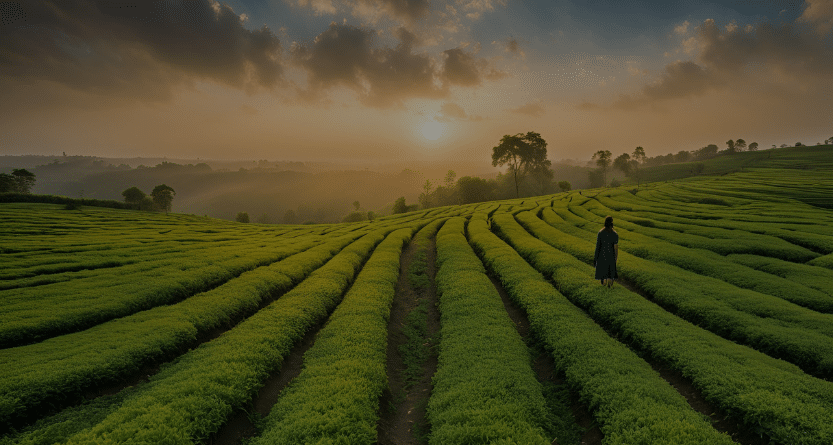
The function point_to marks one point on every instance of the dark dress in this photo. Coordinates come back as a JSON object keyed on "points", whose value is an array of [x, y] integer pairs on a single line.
{"points": [[605, 257]]}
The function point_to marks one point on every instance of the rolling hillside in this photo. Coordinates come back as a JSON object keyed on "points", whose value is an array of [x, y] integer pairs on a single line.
{"points": [[120, 326]]}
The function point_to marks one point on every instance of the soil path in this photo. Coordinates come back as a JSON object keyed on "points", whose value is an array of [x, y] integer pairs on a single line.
{"points": [[544, 368], [242, 425], [739, 432], [403, 420]]}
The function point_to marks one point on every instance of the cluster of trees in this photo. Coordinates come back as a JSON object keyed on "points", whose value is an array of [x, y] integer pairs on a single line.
{"points": [[529, 174], [740, 145], [19, 181], [629, 163], [160, 198]]}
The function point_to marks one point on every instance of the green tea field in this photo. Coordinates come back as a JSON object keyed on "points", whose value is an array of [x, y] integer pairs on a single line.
{"points": [[468, 324]]}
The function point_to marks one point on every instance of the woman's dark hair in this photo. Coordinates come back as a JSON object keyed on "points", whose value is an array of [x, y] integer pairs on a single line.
{"points": [[609, 223]]}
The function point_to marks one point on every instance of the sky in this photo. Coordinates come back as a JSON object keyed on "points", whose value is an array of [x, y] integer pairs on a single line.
{"points": [[407, 82]]}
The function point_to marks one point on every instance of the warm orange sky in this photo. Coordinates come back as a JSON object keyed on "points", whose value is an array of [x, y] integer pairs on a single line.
{"points": [[409, 81]]}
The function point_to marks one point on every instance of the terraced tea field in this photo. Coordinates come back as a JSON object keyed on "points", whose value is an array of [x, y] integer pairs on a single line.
{"points": [[129, 327]]}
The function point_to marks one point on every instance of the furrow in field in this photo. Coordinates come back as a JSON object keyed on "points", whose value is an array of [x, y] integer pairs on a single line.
{"points": [[30, 315], [787, 404], [706, 263], [630, 402], [57, 371], [484, 389], [771, 325], [193, 397], [413, 330], [336, 396]]}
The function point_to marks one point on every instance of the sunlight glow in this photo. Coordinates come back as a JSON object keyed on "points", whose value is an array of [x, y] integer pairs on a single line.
{"points": [[432, 130]]}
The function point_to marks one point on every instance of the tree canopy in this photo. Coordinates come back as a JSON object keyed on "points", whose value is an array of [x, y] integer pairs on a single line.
{"points": [[523, 153], [133, 195], [20, 181], [163, 196]]}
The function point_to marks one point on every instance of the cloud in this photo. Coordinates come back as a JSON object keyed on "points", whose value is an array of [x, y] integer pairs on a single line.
{"points": [[818, 13], [475, 9], [768, 56], [513, 47], [137, 49], [344, 55], [682, 28], [463, 68], [407, 11], [534, 109]]}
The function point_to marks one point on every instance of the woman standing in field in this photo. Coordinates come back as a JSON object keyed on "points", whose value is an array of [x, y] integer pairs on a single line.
{"points": [[607, 253]]}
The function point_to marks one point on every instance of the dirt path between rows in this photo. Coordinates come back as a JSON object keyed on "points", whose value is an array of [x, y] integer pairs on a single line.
{"points": [[544, 368], [241, 425], [739, 432], [402, 412]]}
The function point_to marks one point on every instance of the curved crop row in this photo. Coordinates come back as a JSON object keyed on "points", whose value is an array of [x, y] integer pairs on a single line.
{"points": [[61, 368], [191, 398], [777, 397], [484, 388], [335, 399], [766, 323], [32, 314], [722, 241], [708, 263], [631, 403]]}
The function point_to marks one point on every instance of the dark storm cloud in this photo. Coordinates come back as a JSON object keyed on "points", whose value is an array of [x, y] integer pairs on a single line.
{"points": [[345, 55], [135, 47], [734, 57]]}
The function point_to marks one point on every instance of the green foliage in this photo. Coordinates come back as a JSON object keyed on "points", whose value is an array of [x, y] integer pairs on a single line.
{"points": [[355, 216], [484, 386], [163, 196], [133, 195], [629, 400], [787, 404], [734, 276], [335, 398], [400, 206], [242, 217]]}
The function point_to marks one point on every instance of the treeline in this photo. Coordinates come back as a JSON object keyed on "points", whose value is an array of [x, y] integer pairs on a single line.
{"points": [[629, 163]]}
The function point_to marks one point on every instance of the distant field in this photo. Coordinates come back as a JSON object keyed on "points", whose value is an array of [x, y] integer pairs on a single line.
{"points": [[120, 326]]}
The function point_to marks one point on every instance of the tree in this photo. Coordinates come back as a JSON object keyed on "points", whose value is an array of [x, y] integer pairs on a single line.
{"points": [[20, 181], [602, 158], [449, 179], [7, 183], [133, 195], [523, 153], [682, 156], [753, 146], [731, 144], [242, 217], [798, 144], [623, 163], [400, 206], [425, 196], [474, 189], [740, 144], [637, 158], [163, 196], [355, 216], [356, 205], [564, 186]]}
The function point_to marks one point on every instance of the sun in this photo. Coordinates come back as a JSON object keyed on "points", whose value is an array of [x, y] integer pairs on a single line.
{"points": [[432, 130]]}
